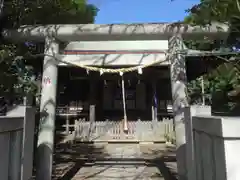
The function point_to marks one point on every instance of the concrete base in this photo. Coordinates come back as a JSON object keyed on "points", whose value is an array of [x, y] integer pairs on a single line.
{"points": [[220, 137]]}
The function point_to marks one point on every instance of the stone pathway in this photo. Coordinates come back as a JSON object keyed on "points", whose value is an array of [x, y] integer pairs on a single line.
{"points": [[123, 172], [121, 161]]}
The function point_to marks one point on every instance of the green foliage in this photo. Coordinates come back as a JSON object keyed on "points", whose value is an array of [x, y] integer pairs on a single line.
{"points": [[49, 12], [226, 77], [19, 69], [225, 11], [208, 11]]}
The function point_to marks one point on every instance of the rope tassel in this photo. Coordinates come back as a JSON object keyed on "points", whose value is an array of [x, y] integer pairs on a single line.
{"points": [[125, 126]]}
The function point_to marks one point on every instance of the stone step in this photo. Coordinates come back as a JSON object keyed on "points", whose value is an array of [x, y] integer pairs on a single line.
{"points": [[127, 163], [108, 172]]}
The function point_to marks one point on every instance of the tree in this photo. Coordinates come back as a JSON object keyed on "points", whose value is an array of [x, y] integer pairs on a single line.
{"points": [[225, 11], [226, 78], [20, 69]]}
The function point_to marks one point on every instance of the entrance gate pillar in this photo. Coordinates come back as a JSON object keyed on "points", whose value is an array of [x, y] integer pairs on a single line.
{"points": [[45, 146], [179, 97]]}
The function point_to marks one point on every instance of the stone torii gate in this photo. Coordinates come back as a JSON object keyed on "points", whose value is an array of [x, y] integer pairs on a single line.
{"points": [[52, 35]]}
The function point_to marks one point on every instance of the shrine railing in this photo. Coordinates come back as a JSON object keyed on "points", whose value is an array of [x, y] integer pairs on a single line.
{"points": [[138, 131]]}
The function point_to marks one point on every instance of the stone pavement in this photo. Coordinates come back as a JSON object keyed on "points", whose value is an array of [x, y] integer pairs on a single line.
{"points": [[126, 172], [120, 161]]}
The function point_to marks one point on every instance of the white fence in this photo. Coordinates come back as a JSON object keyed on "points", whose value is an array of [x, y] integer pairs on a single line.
{"points": [[16, 144], [138, 131]]}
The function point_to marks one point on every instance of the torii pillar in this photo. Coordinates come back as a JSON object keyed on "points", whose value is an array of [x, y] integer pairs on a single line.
{"points": [[45, 146], [180, 101]]}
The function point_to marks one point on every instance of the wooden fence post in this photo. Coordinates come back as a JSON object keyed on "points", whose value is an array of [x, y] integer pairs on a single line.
{"points": [[15, 151], [28, 139]]}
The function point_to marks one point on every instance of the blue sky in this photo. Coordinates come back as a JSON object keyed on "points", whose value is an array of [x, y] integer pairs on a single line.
{"points": [[139, 11]]}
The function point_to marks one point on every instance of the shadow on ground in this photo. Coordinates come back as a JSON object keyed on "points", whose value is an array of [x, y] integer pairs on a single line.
{"points": [[69, 159], [156, 164], [75, 161]]}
